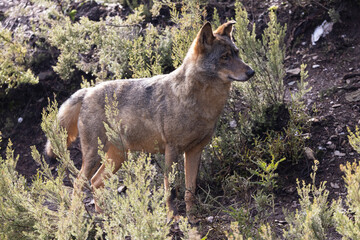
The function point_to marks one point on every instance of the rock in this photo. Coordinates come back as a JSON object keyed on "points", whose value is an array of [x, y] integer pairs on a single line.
{"points": [[315, 66], [336, 105], [233, 124], [295, 71], [321, 148], [353, 96], [350, 75], [339, 154], [210, 219], [332, 146], [280, 222], [321, 31], [314, 120], [121, 189], [291, 83], [309, 153], [45, 75], [290, 190], [334, 185], [333, 137]]}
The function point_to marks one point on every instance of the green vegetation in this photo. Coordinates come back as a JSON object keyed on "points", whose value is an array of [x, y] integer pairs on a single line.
{"points": [[313, 219], [14, 67], [242, 160]]}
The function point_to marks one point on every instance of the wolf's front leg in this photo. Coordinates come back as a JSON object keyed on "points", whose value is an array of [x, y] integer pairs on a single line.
{"points": [[192, 161], [171, 154]]}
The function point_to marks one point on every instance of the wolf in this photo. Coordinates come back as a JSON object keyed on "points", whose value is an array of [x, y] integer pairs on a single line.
{"points": [[172, 114]]}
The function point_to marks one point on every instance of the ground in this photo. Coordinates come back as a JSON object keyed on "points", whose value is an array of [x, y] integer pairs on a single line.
{"points": [[334, 77]]}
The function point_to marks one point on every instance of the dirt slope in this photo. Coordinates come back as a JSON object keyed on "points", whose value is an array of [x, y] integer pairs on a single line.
{"points": [[334, 100]]}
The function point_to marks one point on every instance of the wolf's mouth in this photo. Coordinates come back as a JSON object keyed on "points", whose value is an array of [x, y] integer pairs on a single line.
{"points": [[238, 79]]}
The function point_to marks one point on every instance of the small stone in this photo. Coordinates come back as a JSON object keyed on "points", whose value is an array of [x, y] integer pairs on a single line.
{"points": [[315, 66], [280, 222], [333, 137], [353, 96], [314, 120], [290, 190], [309, 153], [291, 83], [331, 146], [321, 148], [334, 185], [210, 219], [336, 105], [20, 119], [121, 189], [233, 124], [45, 75], [339, 154], [295, 71]]}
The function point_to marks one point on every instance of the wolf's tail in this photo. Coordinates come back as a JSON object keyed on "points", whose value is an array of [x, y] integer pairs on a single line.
{"points": [[68, 118]]}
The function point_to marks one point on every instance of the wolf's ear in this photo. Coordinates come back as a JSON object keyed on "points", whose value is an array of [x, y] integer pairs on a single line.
{"points": [[204, 38], [226, 29]]}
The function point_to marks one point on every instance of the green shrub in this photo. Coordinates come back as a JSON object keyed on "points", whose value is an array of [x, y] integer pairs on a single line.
{"points": [[44, 209], [92, 47], [266, 57], [140, 212], [354, 139], [150, 55], [314, 217], [347, 219], [272, 130], [17, 222], [14, 69], [189, 22]]}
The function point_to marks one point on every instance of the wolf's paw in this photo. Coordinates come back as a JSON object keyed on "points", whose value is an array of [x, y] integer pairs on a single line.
{"points": [[193, 220]]}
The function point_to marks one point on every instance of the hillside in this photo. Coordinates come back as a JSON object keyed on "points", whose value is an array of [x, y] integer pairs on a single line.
{"points": [[333, 102]]}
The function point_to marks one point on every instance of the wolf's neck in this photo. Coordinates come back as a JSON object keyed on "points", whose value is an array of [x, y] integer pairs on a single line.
{"points": [[200, 91]]}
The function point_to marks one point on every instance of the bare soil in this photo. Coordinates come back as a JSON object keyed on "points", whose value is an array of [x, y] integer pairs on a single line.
{"points": [[334, 75]]}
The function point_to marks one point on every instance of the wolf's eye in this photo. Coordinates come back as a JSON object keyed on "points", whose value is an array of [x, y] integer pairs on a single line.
{"points": [[225, 57]]}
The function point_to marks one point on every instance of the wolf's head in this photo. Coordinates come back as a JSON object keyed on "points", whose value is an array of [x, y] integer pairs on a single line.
{"points": [[216, 54]]}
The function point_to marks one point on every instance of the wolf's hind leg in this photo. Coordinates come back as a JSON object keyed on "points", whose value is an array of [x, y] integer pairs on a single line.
{"points": [[116, 158], [91, 162]]}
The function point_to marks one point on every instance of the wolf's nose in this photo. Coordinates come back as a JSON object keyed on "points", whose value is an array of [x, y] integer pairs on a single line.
{"points": [[250, 73]]}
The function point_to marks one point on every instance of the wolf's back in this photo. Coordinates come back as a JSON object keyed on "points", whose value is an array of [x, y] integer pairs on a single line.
{"points": [[68, 118]]}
